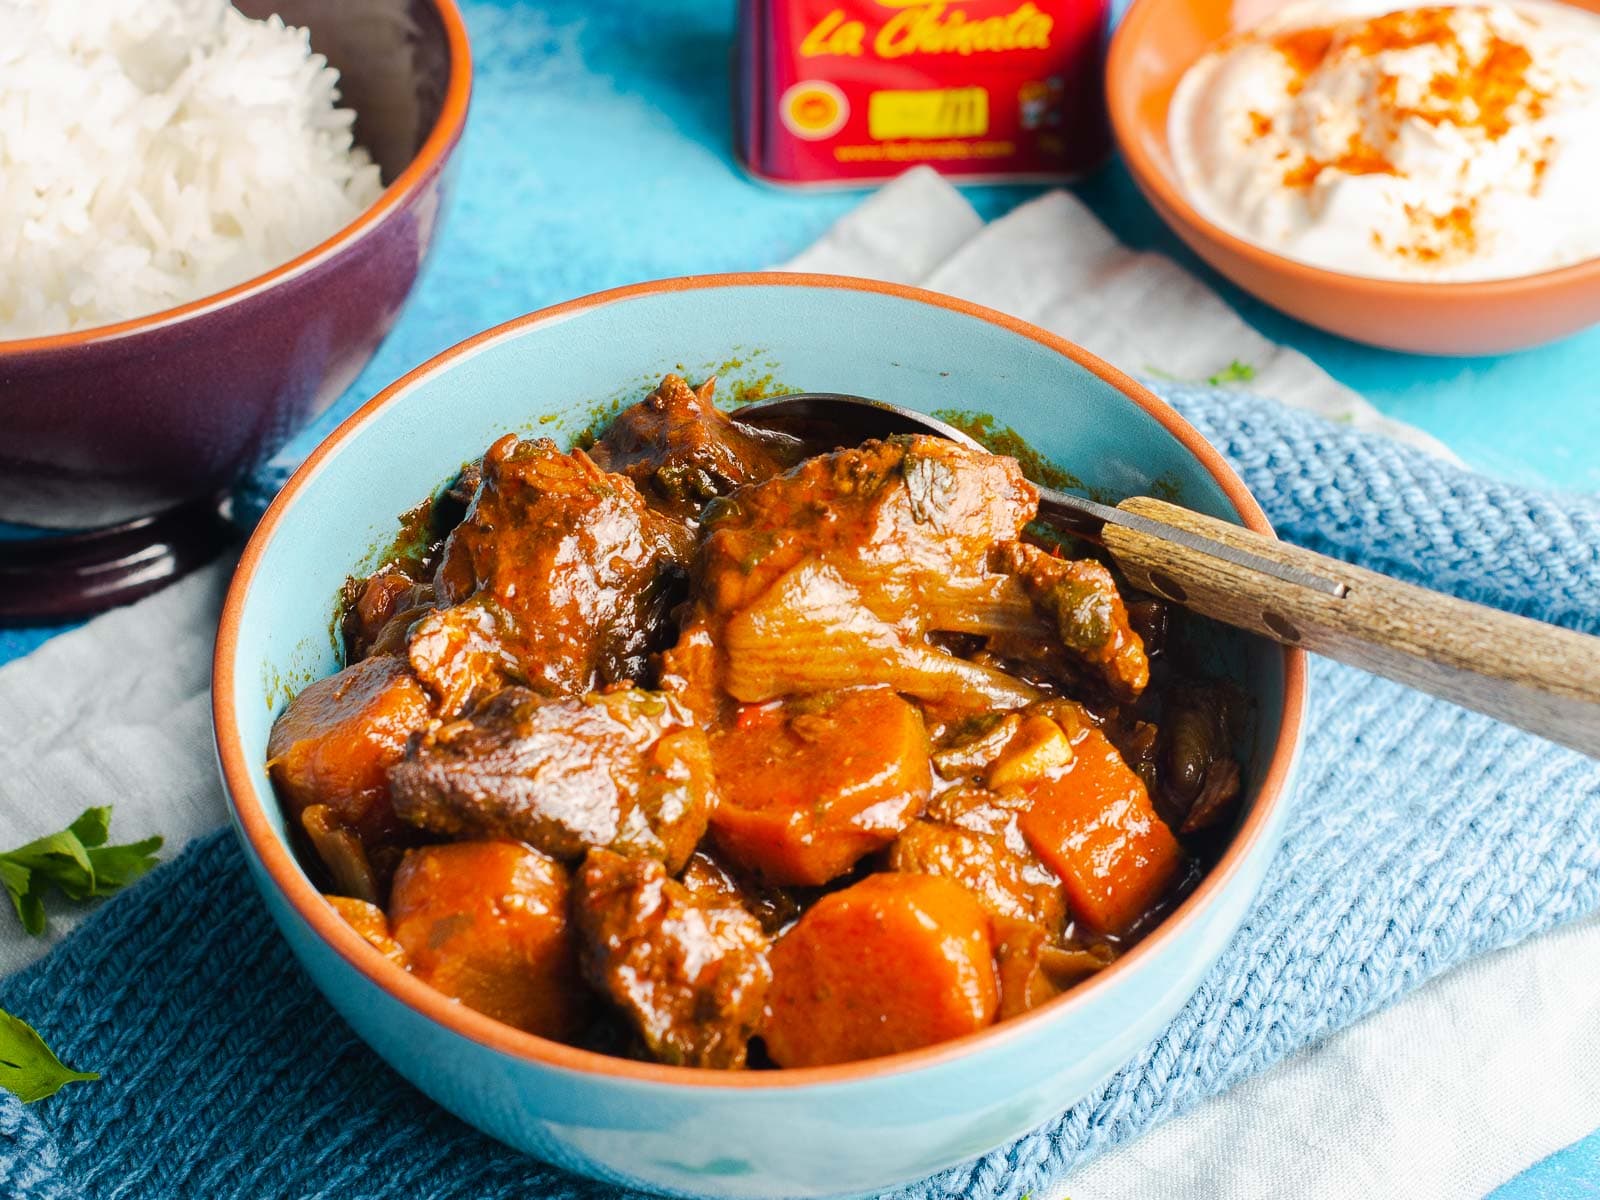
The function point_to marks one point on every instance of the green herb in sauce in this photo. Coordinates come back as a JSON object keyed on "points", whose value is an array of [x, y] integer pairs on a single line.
{"points": [[1002, 439]]}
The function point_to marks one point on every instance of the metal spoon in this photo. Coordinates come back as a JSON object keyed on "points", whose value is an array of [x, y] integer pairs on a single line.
{"points": [[1539, 677]]}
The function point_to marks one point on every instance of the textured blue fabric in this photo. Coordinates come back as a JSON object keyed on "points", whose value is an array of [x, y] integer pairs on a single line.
{"points": [[1421, 835]]}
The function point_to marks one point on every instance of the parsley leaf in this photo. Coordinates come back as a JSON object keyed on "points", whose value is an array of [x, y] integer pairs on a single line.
{"points": [[118, 866], [76, 861], [1234, 372], [27, 1066], [93, 827], [18, 882]]}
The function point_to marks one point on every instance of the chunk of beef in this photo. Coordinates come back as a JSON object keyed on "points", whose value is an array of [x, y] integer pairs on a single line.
{"points": [[626, 770], [463, 488], [710, 880], [559, 576], [464, 654], [970, 835], [384, 608], [895, 518], [1080, 600], [487, 923], [682, 451], [689, 972]]}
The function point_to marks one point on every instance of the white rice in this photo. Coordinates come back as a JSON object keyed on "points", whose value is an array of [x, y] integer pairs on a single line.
{"points": [[153, 152]]}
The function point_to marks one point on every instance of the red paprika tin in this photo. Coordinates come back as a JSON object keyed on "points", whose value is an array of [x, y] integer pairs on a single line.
{"points": [[855, 91]]}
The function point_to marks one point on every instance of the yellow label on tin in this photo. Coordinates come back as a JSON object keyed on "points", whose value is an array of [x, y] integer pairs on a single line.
{"points": [[937, 113]]}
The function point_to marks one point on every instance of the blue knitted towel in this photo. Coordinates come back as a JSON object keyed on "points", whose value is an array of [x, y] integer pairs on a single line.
{"points": [[1421, 835]]}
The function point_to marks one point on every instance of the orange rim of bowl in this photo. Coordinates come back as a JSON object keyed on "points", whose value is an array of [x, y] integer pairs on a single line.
{"points": [[444, 134], [249, 806], [1176, 209]]}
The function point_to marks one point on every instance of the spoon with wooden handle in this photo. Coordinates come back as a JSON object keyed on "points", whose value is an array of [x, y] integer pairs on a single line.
{"points": [[1536, 676]]}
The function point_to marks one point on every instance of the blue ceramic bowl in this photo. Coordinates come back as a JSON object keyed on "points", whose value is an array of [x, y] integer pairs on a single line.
{"points": [[828, 1131]]}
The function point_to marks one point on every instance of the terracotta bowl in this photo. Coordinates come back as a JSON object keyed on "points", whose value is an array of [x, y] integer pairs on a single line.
{"points": [[1157, 41], [110, 426], [739, 1135]]}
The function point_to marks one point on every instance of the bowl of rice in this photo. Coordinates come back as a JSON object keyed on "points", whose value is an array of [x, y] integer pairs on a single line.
{"points": [[210, 216]]}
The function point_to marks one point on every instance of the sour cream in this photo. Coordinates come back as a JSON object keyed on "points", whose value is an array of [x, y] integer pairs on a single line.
{"points": [[1446, 143]]}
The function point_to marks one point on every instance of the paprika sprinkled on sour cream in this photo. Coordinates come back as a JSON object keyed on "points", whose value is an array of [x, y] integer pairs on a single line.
{"points": [[1446, 143]]}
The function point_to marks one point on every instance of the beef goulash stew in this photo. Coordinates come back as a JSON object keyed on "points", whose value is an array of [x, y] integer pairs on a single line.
{"points": [[695, 748]]}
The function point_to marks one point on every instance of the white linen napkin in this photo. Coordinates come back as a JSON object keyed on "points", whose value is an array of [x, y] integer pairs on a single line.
{"points": [[1444, 1095], [117, 712]]}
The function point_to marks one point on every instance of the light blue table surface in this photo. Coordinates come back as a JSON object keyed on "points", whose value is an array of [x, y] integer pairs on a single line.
{"points": [[598, 153]]}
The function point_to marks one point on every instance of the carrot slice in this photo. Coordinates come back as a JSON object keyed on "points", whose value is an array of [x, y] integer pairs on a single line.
{"points": [[338, 738], [369, 921], [811, 786], [889, 964], [1093, 823], [486, 922]]}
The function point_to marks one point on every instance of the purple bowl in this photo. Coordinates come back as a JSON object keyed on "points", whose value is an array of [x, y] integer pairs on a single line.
{"points": [[110, 426]]}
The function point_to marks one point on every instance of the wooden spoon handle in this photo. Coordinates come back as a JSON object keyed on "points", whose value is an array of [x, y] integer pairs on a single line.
{"points": [[1539, 677]]}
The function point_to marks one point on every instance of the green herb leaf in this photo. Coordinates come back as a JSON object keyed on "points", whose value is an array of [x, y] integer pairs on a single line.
{"points": [[60, 859], [1234, 372], [28, 1068], [93, 827], [76, 861], [59, 853], [118, 866], [18, 881]]}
